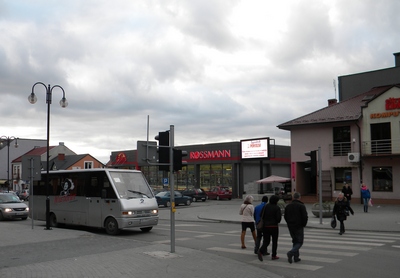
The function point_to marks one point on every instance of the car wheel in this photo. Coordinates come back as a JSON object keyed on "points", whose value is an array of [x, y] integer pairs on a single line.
{"points": [[1, 216], [188, 202], [53, 220], [168, 204], [111, 226], [217, 198], [24, 218], [194, 199], [203, 200], [146, 229]]}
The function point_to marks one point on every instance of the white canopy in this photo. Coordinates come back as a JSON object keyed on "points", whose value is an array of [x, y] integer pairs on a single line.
{"points": [[272, 179]]}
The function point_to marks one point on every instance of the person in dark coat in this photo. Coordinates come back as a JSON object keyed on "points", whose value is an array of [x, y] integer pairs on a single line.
{"points": [[272, 217], [296, 218], [257, 216], [347, 191], [340, 208]]}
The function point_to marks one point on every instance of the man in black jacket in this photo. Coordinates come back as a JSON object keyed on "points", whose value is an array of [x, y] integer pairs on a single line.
{"points": [[296, 218]]}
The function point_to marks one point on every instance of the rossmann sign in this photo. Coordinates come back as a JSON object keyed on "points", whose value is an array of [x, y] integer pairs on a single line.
{"points": [[217, 154]]}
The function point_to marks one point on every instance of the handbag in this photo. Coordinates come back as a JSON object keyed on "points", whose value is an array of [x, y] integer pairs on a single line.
{"points": [[260, 224], [333, 222], [370, 203]]}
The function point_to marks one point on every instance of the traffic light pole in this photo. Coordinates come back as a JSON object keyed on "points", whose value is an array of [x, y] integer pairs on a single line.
{"points": [[172, 185]]}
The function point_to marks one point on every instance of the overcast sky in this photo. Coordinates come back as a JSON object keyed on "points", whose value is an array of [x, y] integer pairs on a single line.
{"points": [[217, 70]]}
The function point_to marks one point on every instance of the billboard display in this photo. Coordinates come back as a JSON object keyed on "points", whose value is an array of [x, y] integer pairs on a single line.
{"points": [[254, 148]]}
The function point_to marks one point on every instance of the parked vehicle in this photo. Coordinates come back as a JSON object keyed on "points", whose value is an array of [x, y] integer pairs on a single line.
{"points": [[164, 199], [219, 193], [113, 199], [24, 195], [197, 194], [11, 207]]}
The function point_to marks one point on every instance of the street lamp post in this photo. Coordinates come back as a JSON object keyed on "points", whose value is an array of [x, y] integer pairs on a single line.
{"points": [[8, 139], [63, 103]]}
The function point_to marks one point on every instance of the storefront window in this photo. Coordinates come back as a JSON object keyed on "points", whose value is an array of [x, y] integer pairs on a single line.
{"points": [[205, 172], [342, 175], [227, 175], [181, 179], [382, 179]]}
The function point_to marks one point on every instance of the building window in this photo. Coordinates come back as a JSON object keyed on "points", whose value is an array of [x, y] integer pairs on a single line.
{"points": [[341, 140], [342, 176], [382, 179], [381, 138], [88, 164]]}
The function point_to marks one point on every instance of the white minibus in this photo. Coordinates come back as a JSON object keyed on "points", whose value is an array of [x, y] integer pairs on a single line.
{"points": [[112, 199]]}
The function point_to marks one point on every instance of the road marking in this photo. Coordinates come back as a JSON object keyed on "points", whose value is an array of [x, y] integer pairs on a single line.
{"points": [[353, 238], [365, 243], [204, 236], [337, 246], [285, 264]]}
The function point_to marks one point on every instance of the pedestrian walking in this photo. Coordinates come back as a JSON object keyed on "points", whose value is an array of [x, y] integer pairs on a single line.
{"points": [[257, 217], [272, 217], [296, 218], [366, 196], [247, 212], [340, 209], [347, 191]]}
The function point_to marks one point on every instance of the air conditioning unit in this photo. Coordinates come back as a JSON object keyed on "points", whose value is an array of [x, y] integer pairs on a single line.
{"points": [[353, 157]]}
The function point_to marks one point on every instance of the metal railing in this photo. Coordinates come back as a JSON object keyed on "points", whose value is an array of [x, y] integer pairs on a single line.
{"points": [[381, 147]]}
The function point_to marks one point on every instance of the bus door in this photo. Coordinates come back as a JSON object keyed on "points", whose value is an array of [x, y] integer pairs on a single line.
{"points": [[101, 201]]}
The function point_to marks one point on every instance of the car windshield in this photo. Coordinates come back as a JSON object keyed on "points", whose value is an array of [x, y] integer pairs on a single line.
{"points": [[163, 193], [9, 198], [131, 185]]}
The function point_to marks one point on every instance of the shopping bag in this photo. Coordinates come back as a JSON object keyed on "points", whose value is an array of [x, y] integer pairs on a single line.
{"points": [[370, 203], [333, 222]]}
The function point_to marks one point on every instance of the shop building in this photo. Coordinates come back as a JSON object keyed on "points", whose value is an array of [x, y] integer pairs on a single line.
{"points": [[215, 164], [359, 141]]}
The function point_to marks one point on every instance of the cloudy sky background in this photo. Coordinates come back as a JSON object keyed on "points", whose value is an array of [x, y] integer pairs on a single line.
{"points": [[219, 71]]}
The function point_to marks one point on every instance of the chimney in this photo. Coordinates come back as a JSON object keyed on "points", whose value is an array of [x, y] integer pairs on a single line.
{"points": [[332, 101], [61, 156], [396, 59]]}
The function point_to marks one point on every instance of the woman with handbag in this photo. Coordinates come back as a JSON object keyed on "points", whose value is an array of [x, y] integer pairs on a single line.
{"points": [[271, 216], [247, 212], [339, 209], [366, 196]]}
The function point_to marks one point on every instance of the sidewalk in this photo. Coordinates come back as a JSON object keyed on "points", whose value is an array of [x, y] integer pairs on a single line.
{"points": [[380, 218]]}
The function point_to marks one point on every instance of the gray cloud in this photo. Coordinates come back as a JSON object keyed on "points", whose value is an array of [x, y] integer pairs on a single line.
{"points": [[218, 71]]}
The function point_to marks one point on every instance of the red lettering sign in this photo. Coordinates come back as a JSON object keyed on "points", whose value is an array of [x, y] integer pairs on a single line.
{"points": [[210, 154], [392, 103]]}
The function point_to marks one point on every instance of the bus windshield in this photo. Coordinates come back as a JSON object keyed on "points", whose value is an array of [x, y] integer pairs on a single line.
{"points": [[131, 185]]}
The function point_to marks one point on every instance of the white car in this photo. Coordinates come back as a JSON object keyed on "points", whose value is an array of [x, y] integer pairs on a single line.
{"points": [[11, 207]]}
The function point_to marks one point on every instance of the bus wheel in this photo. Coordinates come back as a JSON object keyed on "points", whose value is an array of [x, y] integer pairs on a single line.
{"points": [[111, 226], [53, 220], [147, 229]]}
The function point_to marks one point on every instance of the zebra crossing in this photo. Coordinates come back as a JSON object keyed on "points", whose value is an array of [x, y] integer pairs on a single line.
{"points": [[321, 246]]}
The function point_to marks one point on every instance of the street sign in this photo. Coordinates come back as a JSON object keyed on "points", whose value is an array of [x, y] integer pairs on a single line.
{"points": [[165, 181]]}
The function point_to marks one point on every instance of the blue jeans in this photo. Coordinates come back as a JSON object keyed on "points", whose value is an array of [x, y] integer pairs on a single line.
{"points": [[365, 200], [297, 240]]}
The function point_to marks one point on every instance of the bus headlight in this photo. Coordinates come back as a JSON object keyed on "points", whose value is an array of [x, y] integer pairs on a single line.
{"points": [[128, 213], [154, 211]]}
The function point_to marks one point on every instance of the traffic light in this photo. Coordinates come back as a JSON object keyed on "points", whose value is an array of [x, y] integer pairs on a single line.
{"points": [[163, 150], [178, 163], [312, 163]]}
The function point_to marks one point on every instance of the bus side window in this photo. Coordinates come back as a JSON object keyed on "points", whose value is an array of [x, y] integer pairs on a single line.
{"points": [[107, 192]]}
